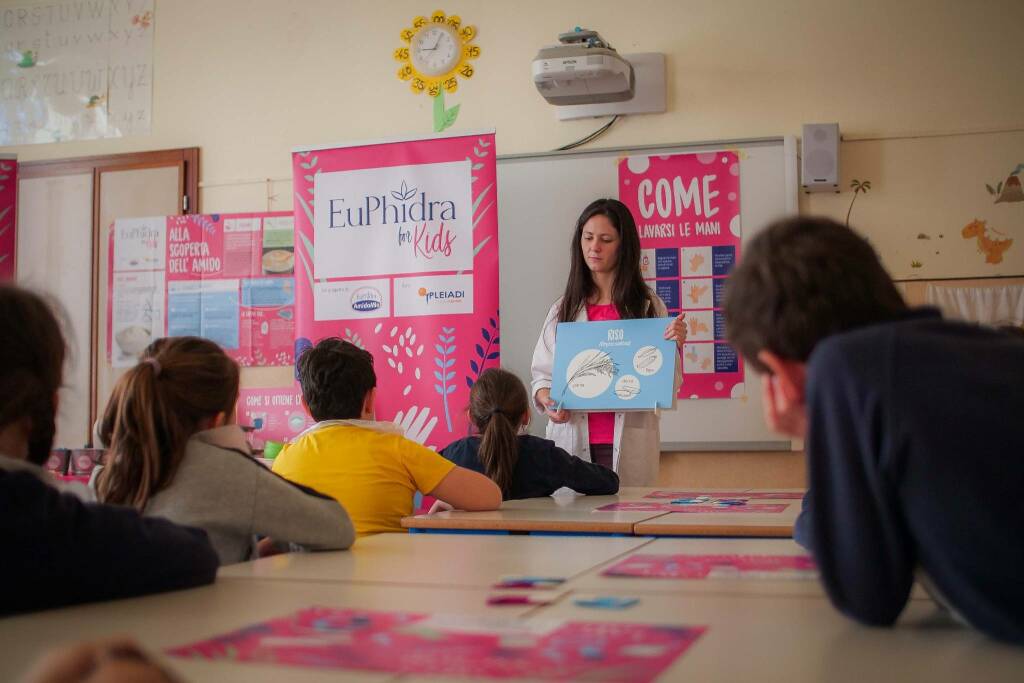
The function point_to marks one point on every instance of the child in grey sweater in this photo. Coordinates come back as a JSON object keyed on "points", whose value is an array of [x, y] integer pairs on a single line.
{"points": [[175, 452]]}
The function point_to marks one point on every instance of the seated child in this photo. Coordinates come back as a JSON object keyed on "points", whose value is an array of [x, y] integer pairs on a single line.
{"points": [[175, 452], [523, 466], [57, 550], [368, 466], [912, 427]]}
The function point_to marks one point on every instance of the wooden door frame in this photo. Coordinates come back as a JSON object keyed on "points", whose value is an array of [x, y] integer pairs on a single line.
{"points": [[186, 159]]}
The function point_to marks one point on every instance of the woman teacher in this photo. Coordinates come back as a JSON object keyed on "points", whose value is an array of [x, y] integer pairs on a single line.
{"points": [[604, 283]]}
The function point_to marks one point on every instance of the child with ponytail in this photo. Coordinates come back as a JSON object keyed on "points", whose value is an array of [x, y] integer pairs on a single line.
{"points": [[523, 466], [175, 452]]}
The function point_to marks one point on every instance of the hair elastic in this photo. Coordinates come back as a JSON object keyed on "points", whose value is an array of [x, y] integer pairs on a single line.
{"points": [[156, 365]]}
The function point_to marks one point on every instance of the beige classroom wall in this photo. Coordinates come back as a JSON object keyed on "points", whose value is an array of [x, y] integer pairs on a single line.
{"points": [[249, 80], [726, 469]]}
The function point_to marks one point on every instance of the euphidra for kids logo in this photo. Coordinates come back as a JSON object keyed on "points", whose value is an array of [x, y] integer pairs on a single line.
{"points": [[442, 295], [366, 299], [399, 206]]}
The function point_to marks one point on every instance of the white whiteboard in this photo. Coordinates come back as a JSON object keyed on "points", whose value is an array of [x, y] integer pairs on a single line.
{"points": [[539, 198]]}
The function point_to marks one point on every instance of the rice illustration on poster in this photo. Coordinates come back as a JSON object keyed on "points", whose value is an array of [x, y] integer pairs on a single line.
{"points": [[614, 365]]}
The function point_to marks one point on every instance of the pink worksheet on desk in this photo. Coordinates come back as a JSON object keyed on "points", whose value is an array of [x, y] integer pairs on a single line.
{"points": [[709, 507], [760, 495], [681, 566], [442, 645]]}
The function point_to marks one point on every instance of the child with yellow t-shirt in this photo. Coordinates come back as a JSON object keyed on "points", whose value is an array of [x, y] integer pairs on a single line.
{"points": [[368, 466]]}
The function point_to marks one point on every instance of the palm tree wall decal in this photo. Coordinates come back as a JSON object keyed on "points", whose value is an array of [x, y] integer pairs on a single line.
{"points": [[857, 186]]}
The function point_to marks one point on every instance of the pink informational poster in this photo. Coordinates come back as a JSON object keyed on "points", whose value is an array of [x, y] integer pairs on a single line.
{"points": [[687, 209], [397, 253], [275, 414], [225, 277], [453, 646], [8, 217], [688, 507], [715, 567]]}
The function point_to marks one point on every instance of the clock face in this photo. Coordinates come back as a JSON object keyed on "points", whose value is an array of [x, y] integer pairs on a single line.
{"points": [[435, 50]]}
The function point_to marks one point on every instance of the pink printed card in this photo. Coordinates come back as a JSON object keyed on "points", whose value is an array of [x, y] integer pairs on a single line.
{"points": [[407, 643], [760, 495], [668, 507], [715, 567]]}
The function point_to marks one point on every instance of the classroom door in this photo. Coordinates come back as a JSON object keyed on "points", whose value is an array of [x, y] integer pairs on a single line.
{"points": [[54, 241], [126, 193], [66, 208]]}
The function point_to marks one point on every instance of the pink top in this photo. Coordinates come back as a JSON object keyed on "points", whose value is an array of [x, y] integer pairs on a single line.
{"points": [[602, 425]]}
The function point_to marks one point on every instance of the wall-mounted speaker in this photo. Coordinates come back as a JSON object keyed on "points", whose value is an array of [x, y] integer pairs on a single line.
{"points": [[819, 167]]}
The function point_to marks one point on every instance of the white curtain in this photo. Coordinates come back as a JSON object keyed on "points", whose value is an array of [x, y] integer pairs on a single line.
{"points": [[1002, 305]]}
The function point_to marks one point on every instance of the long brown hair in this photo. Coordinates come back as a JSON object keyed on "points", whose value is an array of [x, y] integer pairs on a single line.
{"points": [[33, 351], [154, 410], [630, 295], [497, 404]]}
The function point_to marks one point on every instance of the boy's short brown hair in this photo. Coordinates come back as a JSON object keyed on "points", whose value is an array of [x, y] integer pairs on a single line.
{"points": [[800, 280], [335, 376]]}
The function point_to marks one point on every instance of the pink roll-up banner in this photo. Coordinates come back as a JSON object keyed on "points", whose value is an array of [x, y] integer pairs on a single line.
{"points": [[687, 210], [8, 217], [396, 248]]}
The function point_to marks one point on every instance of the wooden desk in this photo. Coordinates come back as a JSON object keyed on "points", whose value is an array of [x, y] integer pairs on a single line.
{"points": [[564, 513], [174, 619], [726, 523], [441, 559], [796, 639], [572, 502], [593, 581], [568, 514]]}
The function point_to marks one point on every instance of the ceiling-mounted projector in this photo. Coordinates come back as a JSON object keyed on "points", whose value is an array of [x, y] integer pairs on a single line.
{"points": [[582, 69]]}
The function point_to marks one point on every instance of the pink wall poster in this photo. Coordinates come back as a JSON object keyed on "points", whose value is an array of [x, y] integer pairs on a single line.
{"points": [[276, 414], [8, 217], [687, 210], [226, 277]]}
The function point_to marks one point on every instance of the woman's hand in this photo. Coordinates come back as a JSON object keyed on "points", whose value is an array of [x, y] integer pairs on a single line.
{"points": [[676, 330], [559, 416]]}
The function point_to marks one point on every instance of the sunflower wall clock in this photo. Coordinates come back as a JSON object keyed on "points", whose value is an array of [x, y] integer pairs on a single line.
{"points": [[437, 51]]}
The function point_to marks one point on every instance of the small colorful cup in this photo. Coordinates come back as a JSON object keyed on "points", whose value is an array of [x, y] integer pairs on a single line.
{"points": [[271, 449]]}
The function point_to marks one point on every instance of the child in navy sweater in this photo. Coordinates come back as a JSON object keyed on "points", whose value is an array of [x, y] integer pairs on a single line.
{"points": [[911, 426], [523, 466]]}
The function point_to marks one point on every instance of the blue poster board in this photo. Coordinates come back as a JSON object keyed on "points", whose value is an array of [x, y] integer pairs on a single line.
{"points": [[614, 365]]}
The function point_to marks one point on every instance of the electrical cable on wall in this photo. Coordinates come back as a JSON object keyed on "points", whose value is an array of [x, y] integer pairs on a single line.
{"points": [[589, 138]]}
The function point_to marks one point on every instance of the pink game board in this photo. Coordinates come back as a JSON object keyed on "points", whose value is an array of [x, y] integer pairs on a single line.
{"points": [[715, 567], [400, 642], [669, 507]]}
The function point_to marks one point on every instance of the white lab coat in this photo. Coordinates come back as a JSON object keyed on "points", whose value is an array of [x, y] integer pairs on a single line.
{"points": [[636, 449]]}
